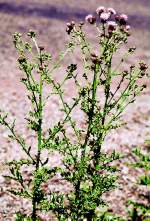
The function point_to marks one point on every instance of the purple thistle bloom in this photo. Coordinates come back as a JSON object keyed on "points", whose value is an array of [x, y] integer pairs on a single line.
{"points": [[111, 26], [70, 26], [112, 11], [123, 19], [128, 27], [90, 19], [104, 17], [100, 10]]}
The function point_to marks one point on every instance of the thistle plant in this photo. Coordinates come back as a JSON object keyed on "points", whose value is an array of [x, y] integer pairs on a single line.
{"points": [[86, 167]]}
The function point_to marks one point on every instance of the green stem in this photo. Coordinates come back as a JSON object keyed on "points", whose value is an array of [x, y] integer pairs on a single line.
{"points": [[34, 202], [103, 132], [94, 89], [39, 134]]}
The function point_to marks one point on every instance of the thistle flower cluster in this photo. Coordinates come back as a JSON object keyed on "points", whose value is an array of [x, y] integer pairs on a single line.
{"points": [[70, 26], [87, 168], [111, 18]]}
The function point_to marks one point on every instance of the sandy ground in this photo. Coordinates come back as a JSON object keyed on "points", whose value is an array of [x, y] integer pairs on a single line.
{"points": [[49, 19]]}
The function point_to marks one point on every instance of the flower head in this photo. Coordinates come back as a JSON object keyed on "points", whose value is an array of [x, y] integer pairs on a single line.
{"points": [[143, 66], [111, 26], [112, 23], [90, 19], [127, 27], [117, 18], [100, 10], [104, 17], [112, 11], [70, 26], [123, 19]]}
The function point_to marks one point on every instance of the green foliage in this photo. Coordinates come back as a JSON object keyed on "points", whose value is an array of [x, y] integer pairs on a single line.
{"points": [[139, 210], [20, 217], [145, 180], [86, 167]]}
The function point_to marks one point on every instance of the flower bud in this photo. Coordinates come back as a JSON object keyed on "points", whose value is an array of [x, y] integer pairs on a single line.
{"points": [[81, 24], [70, 26], [144, 86], [41, 48], [127, 27], [22, 60], [94, 58], [117, 18], [143, 66], [100, 10], [125, 73], [41, 68], [123, 19], [131, 49], [132, 67], [90, 19], [111, 26], [72, 23]]}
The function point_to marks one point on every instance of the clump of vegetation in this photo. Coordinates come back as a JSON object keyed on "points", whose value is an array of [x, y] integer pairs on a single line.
{"points": [[85, 165], [140, 210]]}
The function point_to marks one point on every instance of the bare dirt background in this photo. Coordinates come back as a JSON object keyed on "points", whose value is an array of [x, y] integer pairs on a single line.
{"points": [[49, 19]]}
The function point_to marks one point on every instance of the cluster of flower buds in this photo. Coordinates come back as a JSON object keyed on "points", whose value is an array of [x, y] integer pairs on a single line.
{"points": [[70, 27], [121, 19], [109, 16], [143, 66]]}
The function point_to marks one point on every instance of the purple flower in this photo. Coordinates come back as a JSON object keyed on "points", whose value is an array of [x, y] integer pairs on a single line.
{"points": [[143, 66], [117, 18], [70, 26], [100, 10], [111, 26], [127, 27], [112, 11], [104, 17], [123, 19], [90, 19], [112, 23]]}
